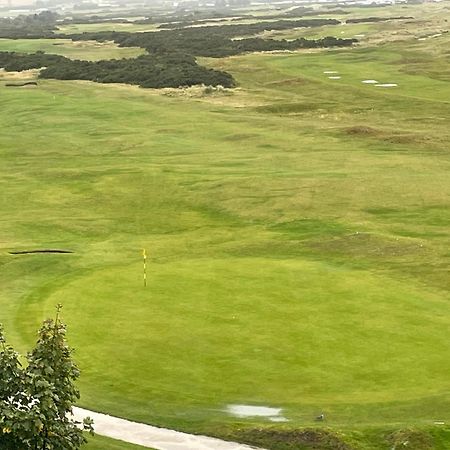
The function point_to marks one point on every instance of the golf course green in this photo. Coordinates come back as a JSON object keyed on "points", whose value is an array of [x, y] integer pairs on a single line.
{"points": [[297, 237]]}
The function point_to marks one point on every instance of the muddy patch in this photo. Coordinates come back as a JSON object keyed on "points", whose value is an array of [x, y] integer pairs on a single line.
{"points": [[33, 252]]}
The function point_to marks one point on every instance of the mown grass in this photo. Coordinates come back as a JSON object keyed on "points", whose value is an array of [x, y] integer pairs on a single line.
{"points": [[297, 234], [102, 443], [84, 50]]}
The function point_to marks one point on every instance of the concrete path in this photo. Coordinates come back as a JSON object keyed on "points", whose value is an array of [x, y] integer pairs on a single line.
{"points": [[153, 437]]}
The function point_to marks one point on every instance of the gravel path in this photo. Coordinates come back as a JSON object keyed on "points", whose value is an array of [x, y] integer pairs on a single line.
{"points": [[153, 437]]}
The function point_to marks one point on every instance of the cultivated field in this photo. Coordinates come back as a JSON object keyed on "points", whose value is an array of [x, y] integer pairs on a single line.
{"points": [[297, 231]]}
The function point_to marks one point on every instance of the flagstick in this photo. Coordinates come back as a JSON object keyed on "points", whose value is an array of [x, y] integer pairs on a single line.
{"points": [[145, 267]]}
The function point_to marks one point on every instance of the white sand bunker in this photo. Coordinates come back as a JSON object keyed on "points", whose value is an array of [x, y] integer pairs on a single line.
{"points": [[329, 72], [273, 414], [334, 78], [360, 35], [387, 85], [369, 81]]}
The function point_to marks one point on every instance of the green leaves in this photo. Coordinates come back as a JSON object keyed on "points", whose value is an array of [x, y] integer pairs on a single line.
{"points": [[36, 401]]}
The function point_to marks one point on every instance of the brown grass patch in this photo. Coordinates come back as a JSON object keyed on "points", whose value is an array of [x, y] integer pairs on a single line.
{"points": [[386, 135]]}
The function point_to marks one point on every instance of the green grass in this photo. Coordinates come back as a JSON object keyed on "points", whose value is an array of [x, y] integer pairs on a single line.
{"points": [[87, 50], [102, 443], [297, 233]]}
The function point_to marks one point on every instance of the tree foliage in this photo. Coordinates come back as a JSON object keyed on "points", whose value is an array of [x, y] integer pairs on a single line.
{"points": [[36, 400]]}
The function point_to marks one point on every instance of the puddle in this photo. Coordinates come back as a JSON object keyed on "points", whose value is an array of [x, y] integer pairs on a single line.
{"points": [[278, 419], [370, 81], [387, 85], [334, 78], [273, 414]]}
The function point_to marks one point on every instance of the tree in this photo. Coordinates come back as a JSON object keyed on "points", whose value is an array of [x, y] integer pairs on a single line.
{"points": [[36, 401]]}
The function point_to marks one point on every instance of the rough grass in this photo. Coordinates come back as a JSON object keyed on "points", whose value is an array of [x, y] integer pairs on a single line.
{"points": [[85, 50], [298, 254]]}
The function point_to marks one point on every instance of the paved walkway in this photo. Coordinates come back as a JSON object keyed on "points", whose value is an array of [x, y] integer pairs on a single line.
{"points": [[153, 437]]}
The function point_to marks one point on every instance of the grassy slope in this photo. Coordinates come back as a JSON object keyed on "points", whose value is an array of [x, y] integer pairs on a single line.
{"points": [[102, 443], [88, 50], [298, 249]]}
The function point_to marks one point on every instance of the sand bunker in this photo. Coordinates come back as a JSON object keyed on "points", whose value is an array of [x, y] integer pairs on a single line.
{"points": [[369, 81], [273, 414], [329, 72], [387, 85], [334, 78], [47, 250]]}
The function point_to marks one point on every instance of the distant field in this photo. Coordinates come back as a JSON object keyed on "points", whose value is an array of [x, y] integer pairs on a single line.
{"points": [[106, 26], [297, 232], [88, 50]]}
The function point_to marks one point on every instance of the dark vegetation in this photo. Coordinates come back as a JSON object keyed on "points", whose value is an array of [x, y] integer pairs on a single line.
{"points": [[33, 26], [150, 71], [218, 41], [171, 60], [377, 19]]}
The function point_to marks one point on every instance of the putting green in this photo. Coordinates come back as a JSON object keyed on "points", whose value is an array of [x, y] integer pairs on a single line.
{"points": [[206, 333]]}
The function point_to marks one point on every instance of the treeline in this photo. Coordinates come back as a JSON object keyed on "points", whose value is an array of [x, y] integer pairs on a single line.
{"points": [[148, 71], [35, 25]]}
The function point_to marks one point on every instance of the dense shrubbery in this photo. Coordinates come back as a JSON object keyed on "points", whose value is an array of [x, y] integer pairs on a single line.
{"points": [[376, 19], [152, 71], [217, 41], [36, 25]]}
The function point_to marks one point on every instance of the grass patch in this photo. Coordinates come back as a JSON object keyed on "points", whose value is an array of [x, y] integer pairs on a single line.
{"points": [[84, 50]]}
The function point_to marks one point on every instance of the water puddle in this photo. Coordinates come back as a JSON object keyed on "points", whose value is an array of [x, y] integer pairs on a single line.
{"points": [[243, 411]]}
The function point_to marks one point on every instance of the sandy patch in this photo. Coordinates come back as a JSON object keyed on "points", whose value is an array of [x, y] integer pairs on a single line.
{"points": [[334, 78], [25, 75], [387, 85], [369, 81]]}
